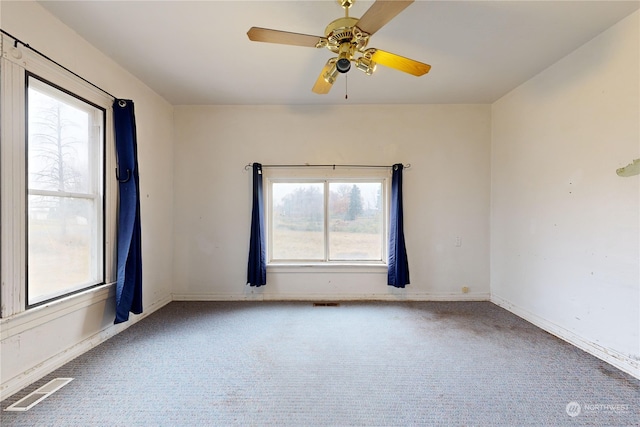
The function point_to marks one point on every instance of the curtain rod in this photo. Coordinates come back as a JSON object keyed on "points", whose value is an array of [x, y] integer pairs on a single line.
{"points": [[307, 165], [15, 44]]}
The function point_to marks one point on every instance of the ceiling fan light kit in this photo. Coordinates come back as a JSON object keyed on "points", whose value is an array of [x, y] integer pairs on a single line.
{"points": [[348, 38]]}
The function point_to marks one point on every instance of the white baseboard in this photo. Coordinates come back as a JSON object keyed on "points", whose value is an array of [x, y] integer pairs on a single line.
{"points": [[620, 361], [56, 361], [392, 296]]}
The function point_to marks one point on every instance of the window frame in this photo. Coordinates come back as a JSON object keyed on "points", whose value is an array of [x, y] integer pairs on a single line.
{"points": [[16, 63], [99, 196], [326, 176]]}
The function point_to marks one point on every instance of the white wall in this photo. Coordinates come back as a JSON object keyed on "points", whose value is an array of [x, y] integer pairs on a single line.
{"points": [[446, 194], [565, 249], [35, 342]]}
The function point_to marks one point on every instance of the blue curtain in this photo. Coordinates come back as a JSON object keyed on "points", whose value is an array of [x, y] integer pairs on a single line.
{"points": [[257, 269], [398, 275], [129, 273]]}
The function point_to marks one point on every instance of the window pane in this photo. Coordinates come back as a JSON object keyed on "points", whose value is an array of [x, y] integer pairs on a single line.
{"points": [[65, 146], [63, 255], [58, 144], [355, 221], [298, 221]]}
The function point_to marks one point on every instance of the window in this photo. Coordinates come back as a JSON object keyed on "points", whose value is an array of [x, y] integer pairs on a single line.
{"points": [[57, 203], [65, 187], [339, 219]]}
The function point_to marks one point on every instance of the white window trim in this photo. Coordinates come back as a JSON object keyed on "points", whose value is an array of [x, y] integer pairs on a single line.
{"points": [[15, 60], [319, 174]]}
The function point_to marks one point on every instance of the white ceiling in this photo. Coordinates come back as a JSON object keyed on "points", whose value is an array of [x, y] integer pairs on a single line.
{"points": [[197, 52]]}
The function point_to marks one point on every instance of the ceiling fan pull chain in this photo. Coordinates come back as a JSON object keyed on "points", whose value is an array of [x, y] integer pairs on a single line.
{"points": [[346, 86]]}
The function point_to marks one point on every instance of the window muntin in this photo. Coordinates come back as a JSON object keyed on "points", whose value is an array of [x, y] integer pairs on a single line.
{"points": [[336, 220], [65, 188]]}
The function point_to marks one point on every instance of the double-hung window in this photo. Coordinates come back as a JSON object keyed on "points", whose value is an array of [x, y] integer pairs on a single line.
{"points": [[327, 217], [65, 186], [57, 207]]}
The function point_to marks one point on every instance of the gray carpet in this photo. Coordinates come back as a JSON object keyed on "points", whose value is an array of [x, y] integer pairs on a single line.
{"points": [[363, 364]]}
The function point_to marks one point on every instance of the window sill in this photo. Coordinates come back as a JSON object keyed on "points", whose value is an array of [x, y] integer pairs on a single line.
{"points": [[44, 313], [327, 268]]}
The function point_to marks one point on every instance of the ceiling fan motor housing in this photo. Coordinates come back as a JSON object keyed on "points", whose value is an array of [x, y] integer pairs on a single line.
{"points": [[344, 31]]}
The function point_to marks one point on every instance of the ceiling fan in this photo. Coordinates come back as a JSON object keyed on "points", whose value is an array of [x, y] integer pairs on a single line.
{"points": [[348, 37]]}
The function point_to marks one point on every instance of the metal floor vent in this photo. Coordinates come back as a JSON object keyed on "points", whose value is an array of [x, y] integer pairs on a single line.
{"points": [[32, 399], [326, 304]]}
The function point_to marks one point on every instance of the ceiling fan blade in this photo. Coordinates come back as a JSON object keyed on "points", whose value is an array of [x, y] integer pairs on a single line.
{"points": [[401, 63], [267, 35], [322, 85], [381, 12]]}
